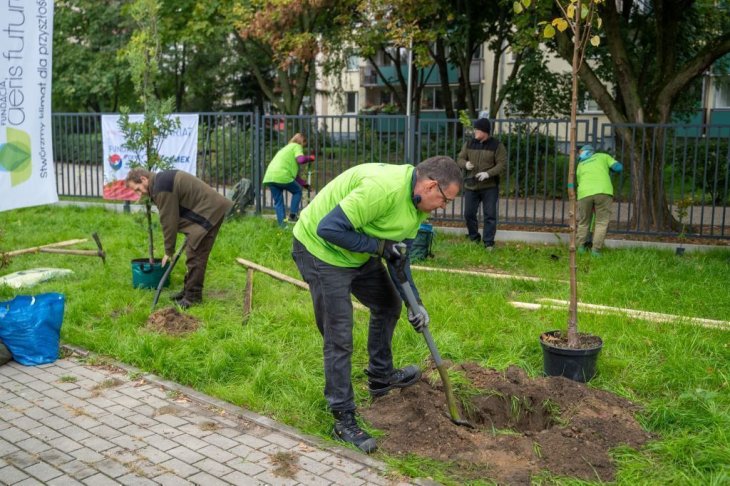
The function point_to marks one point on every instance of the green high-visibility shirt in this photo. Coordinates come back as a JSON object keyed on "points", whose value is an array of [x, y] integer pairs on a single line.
{"points": [[283, 167], [593, 175], [376, 198]]}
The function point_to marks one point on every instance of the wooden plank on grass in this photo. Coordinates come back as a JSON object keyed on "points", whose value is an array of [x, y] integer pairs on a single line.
{"points": [[474, 272], [285, 278], [36, 249], [638, 314]]}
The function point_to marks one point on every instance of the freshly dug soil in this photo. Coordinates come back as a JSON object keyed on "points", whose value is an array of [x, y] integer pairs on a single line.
{"points": [[523, 426], [170, 321]]}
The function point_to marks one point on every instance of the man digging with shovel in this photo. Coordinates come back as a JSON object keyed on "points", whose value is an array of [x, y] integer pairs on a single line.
{"points": [[353, 222], [190, 206]]}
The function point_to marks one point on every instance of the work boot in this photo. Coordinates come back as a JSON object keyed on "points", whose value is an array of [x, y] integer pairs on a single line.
{"points": [[347, 430], [177, 295], [188, 301], [400, 378]]}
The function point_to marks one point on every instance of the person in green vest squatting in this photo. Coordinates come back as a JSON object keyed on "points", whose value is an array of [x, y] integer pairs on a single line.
{"points": [[356, 221], [595, 194], [282, 174]]}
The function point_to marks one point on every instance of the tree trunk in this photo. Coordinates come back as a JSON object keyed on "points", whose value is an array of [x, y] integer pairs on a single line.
{"points": [[650, 210], [573, 304]]}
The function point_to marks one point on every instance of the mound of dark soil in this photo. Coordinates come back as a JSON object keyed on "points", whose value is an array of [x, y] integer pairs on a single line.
{"points": [[170, 321], [523, 426]]}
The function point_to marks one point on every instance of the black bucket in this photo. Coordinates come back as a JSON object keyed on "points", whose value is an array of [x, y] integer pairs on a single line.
{"points": [[146, 275], [575, 364]]}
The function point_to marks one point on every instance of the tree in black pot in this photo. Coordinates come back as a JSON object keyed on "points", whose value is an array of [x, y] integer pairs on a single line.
{"points": [[144, 138], [571, 354]]}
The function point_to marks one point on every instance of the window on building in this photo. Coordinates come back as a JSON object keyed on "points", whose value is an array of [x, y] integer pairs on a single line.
{"points": [[351, 102], [588, 104], [427, 98], [722, 92], [438, 99], [353, 63]]}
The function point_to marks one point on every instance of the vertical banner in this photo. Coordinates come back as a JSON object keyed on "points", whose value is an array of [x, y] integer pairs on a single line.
{"points": [[27, 177], [181, 145]]}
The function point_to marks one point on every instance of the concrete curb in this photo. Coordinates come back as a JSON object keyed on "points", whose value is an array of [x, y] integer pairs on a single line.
{"points": [[564, 239], [257, 419]]}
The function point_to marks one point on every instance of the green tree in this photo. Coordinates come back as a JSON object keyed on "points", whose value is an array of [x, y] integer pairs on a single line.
{"points": [[145, 138], [87, 73], [578, 18], [651, 58], [282, 39]]}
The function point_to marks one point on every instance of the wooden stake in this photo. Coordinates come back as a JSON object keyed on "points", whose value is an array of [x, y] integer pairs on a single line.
{"points": [[285, 278], [248, 295], [36, 249]]}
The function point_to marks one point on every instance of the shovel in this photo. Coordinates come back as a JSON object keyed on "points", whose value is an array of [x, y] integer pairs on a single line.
{"points": [[167, 273], [413, 304]]}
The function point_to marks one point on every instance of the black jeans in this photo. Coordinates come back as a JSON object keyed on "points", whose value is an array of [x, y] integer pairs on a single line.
{"points": [[331, 288], [488, 199]]}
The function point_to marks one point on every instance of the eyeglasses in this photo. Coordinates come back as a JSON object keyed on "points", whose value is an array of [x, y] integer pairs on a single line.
{"points": [[446, 199]]}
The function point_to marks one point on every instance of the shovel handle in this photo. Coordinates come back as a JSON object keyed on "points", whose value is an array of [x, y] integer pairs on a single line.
{"points": [[413, 304], [167, 273]]}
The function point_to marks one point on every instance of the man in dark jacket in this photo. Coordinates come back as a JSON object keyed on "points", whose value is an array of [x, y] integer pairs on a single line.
{"points": [[190, 206], [484, 158]]}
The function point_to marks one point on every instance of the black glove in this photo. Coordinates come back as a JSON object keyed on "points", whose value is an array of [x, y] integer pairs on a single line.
{"points": [[390, 250], [418, 319]]}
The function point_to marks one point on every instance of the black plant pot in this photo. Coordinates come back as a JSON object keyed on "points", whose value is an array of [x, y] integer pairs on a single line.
{"points": [[575, 364], [679, 251]]}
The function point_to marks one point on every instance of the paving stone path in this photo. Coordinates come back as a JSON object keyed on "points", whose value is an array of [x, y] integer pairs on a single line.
{"points": [[70, 423]]}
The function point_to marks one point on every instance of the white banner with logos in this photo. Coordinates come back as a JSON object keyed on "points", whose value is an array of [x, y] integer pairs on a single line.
{"points": [[181, 145], [27, 177]]}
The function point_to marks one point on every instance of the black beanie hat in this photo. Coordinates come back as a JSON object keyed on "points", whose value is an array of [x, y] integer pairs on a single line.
{"points": [[483, 125]]}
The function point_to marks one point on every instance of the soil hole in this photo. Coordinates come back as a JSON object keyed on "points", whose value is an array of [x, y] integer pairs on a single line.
{"points": [[524, 425]]}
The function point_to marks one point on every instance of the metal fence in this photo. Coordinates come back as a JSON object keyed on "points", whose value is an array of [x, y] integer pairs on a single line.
{"points": [[693, 161]]}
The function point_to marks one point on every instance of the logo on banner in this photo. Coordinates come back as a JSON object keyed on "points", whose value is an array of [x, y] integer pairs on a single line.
{"points": [[115, 161], [15, 156]]}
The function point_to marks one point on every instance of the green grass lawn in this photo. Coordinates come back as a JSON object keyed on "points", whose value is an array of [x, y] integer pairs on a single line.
{"points": [[272, 365]]}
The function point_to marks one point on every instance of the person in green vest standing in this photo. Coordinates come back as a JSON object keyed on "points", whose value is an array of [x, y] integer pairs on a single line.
{"points": [[359, 218], [282, 174], [595, 194]]}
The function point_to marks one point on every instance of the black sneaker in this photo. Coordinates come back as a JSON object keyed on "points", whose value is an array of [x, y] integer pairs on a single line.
{"points": [[399, 378], [347, 430], [293, 218]]}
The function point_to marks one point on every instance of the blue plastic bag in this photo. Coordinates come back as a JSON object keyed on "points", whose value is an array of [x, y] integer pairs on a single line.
{"points": [[30, 327]]}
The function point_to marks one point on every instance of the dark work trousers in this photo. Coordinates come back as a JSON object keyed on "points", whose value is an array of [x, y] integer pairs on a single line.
{"points": [[488, 199], [331, 288], [197, 262]]}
